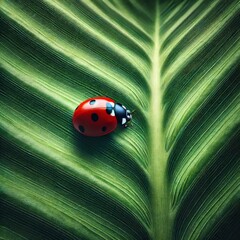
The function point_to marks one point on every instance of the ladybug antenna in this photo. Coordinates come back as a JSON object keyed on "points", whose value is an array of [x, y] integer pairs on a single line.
{"points": [[133, 111]]}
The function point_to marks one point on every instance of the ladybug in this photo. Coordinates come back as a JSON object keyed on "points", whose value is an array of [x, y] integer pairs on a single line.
{"points": [[99, 116]]}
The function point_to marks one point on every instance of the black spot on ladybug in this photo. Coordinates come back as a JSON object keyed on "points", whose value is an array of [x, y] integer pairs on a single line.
{"points": [[109, 108], [81, 128], [104, 129], [94, 117], [92, 102]]}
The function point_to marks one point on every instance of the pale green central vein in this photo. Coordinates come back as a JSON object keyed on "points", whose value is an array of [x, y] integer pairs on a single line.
{"points": [[160, 203]]}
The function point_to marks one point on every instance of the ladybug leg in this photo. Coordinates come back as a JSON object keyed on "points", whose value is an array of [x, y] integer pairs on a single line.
{"points": [[129, 124]]}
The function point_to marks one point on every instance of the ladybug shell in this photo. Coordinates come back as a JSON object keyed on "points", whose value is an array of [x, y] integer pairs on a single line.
{"points": [[91, 117]]}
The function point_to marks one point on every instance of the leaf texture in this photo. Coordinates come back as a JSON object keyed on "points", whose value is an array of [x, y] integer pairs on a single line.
{"points": [[174, 174]]}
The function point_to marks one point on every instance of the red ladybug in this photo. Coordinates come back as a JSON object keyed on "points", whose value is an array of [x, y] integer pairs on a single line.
{"points": [[99, 116]]}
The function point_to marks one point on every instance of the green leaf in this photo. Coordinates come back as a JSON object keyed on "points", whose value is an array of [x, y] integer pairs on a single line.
{"points": [[174, 174]]}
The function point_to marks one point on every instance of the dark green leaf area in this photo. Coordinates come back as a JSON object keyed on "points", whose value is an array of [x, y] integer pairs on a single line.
{"points": [[216, 184], [28, 224], [228, 226], [95, 149], [196, 29], [212, 51], [58, 24], [72, 192], [34, 106], [63, 71], [141, 16], [183, 8], [195, 73], [221, 104]]}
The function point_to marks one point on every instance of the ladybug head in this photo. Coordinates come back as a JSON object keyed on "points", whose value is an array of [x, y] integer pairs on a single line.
{"points": [[122, 114]]}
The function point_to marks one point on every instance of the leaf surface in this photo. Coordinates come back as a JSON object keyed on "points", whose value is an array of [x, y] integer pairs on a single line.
{"points": [[174, 174]]}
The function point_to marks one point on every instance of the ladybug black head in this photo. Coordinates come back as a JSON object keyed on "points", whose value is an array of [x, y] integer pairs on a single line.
{"points": [[122, 114]]}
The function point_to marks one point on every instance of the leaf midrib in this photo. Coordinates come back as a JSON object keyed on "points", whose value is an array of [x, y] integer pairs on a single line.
{"points": [[160, 204]]}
